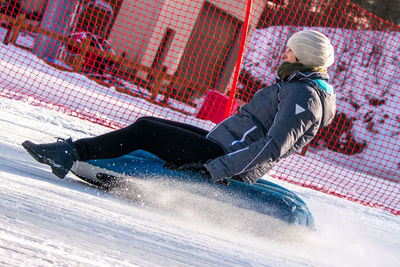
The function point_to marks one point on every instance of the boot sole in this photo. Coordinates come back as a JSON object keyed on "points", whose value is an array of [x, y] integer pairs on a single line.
{"points": [[56, 169]]}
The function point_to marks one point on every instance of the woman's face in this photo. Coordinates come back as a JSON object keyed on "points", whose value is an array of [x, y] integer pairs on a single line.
{"points": [[288, 56]]}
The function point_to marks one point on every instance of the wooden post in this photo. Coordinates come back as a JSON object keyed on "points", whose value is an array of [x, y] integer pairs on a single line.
{"points": [[167, 90], [81, 56], [8, 27], [8, 34], [16, 28], [159, 77]]}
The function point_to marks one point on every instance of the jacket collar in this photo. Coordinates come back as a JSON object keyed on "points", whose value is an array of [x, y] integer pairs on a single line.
{"points": [[298, 76]]}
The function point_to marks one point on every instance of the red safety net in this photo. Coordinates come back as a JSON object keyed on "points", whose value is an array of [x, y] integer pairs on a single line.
{"points": [[112, 61]]}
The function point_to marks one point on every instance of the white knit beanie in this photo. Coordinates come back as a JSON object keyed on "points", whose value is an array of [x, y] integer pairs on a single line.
{"points": [[312, 48]]}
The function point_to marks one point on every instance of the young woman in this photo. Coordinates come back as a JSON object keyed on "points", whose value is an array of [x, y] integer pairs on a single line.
{"points": [[278, 121]]}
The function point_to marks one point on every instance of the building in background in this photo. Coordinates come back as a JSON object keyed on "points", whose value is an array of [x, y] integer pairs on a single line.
{"points": [[183, 37], [180, 37]]}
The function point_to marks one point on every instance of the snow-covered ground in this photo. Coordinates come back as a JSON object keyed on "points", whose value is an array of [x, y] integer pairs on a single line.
{"points": [[47, 221]]}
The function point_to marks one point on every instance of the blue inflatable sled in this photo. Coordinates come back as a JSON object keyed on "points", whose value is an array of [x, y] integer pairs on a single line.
{"points": [[263, 197]]}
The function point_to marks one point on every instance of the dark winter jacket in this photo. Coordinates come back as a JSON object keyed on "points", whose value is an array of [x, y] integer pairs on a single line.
{"points": [[279, 120]]}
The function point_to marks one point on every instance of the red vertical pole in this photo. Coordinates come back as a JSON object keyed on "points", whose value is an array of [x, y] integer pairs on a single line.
{"points": [[240, 58]]}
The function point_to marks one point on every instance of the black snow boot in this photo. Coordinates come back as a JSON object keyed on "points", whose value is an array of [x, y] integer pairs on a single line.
{"points": [[60, 156]]}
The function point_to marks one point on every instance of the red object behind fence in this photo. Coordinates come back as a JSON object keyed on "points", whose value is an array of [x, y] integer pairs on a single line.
{"points": [[214, 107]]}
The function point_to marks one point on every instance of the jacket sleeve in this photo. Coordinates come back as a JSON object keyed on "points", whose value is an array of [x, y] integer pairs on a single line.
{"points": [[294, 117], [263, 151]]}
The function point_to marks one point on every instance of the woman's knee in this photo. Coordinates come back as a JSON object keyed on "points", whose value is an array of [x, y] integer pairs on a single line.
{"points": [[144, 122]]}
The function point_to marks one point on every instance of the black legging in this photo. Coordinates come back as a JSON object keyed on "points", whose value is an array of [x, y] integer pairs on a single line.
{"points": [[174, 142]]}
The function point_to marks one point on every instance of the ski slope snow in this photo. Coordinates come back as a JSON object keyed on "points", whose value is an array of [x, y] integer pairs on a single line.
{"points": [[45, 221]]}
